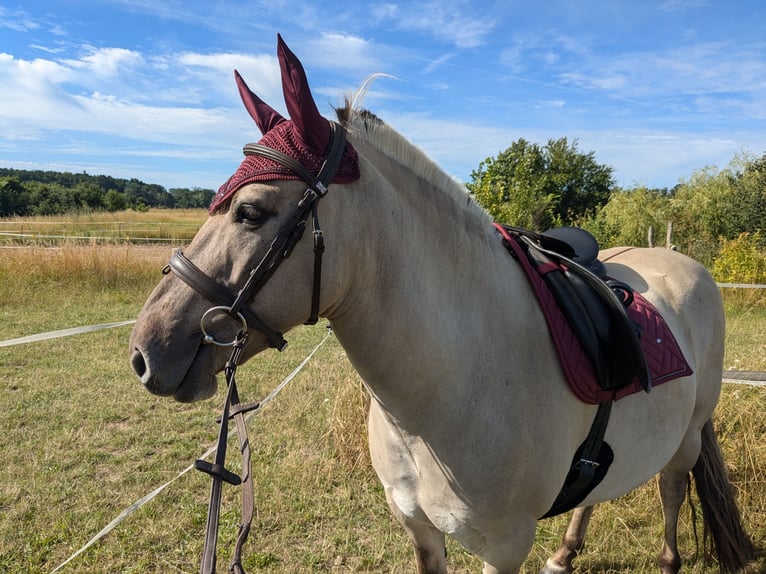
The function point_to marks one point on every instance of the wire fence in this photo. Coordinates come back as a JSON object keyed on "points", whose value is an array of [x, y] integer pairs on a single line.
{"points": [[54, 232]]}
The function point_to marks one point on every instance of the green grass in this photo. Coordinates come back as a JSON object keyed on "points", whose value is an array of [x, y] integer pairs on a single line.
{"points": [[82, 441], [745, 329]]}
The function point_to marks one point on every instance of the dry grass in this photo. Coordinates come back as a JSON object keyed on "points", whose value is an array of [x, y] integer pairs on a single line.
{"points": [[155, 225], [82, 441]]}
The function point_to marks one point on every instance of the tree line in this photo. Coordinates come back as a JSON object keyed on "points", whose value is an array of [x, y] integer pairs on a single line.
{"points": [[542, 186], [25, 192], [713, 211]]}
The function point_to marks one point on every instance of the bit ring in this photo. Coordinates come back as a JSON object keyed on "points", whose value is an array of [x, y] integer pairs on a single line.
{"points": [[209, 339]]}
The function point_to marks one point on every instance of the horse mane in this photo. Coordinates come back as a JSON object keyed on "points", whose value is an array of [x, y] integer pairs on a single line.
{"points": [[365, 124]]}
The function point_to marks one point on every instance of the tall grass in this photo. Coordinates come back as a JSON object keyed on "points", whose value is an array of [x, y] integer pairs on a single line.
{"points": [[82, 441]]}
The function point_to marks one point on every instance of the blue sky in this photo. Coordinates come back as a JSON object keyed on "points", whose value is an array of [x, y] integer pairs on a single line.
{"points": [[144, 88]]}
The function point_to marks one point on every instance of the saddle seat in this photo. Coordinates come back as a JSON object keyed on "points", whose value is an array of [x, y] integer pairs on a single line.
{"points": [[594, 304]]}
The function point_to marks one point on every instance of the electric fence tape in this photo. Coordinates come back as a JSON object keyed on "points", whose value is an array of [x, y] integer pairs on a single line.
{"points": [[63, 333]]}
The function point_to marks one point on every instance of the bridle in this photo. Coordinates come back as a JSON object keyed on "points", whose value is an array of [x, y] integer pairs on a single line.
{"points": [[281, 248], [235, 305]]}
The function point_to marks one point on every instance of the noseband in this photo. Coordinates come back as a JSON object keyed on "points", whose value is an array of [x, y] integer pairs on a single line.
{"points": [[280, 249]]}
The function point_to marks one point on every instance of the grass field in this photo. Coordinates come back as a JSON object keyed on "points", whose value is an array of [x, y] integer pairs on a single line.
{"points": [[82, 441], [155, 225]]}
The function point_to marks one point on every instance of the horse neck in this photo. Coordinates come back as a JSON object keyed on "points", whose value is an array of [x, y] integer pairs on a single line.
{"points": [[428, 267]]}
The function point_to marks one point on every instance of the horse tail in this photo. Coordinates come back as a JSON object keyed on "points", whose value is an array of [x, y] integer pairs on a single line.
{"points": [[723, 531]]}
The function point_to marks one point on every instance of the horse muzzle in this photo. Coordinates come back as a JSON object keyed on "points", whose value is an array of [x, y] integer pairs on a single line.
{"points": [[196, 383]]}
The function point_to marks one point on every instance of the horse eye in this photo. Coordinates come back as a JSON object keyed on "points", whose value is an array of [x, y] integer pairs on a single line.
{"points": [[250, 214]]}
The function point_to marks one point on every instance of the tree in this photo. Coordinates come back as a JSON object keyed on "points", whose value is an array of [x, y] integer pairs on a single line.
{"points": [[14, 199], [539, 187], [87, 196], [192, 198], [115, 201], [626, 218], [715, 205], [748, 213]]}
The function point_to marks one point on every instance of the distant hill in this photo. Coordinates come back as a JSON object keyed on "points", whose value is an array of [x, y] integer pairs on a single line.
{"points": [[37, 192]]}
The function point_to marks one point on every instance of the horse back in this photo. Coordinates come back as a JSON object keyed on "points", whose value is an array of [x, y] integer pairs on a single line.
{"points": [[686, 296]]}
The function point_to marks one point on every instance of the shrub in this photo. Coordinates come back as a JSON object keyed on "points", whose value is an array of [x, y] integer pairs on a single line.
{"points": [[741, 260]]}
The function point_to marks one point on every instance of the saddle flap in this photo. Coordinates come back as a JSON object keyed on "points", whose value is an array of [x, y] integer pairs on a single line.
{"points": [[619, 357]]}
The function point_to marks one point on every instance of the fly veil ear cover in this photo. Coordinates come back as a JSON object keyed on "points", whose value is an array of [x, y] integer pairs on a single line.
{"points": [[305, 137]]}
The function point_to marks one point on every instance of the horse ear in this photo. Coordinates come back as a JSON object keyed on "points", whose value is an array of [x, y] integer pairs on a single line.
{"points": [[264, 115], [312, 127]]}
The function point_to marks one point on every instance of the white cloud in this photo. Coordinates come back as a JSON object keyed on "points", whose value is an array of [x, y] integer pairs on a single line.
{"points": [[216, 72], [107, 61], [452, 21], [706, 68], [41, 96], [17, 20], [342, 51], [675, 5], [437, 63]]}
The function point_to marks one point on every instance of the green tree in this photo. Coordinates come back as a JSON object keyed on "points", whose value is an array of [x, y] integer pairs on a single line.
{"points": [[197, 197], [14, 199], [87, 195], [740, 260], [115, 201], [626, 218], [748, 211], [539, 187]]}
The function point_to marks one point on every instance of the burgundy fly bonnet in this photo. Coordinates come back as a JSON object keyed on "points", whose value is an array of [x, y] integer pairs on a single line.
{"points": [[304, 137]]}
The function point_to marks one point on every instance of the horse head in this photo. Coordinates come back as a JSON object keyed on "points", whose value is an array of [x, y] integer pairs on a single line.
{"points": [[254, 229]]}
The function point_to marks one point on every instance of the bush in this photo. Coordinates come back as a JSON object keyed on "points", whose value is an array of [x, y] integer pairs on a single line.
{"points": [[741, 260]]}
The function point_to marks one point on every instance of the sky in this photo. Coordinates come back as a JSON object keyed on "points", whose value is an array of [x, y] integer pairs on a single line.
{"points": [[144, 88]]}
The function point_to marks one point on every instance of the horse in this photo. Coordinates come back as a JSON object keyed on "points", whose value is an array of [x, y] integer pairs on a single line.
{"points": [[472, 426]]}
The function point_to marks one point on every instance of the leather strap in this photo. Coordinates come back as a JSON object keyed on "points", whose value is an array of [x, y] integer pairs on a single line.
{"points": [[220, 295], [279, 250], [217, 470]]}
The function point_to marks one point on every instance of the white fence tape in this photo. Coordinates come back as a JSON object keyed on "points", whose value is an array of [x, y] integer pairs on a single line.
{"points": [[39, 236], [145, 499], [63, 333], [742, 285], [747, 382]]}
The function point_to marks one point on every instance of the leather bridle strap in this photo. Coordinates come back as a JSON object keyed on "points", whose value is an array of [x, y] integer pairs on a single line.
{"points": [[220, 295], [232, 409], [280, 249], [292, 231]]}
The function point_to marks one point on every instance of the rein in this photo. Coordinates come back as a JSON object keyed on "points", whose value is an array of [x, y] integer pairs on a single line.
{"points": [[235, 305]]}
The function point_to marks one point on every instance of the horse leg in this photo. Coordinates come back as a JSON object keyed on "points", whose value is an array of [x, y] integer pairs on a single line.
{"points": [[572, 544], [427, 541], [673, 485], [506, 549], [429, 545]]}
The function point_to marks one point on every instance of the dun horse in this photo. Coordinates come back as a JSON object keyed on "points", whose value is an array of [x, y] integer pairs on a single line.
{"points": [[472, 426]]}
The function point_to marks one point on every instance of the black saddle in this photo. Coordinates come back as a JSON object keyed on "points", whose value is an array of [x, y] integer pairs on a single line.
{"points": [[593, 303]]}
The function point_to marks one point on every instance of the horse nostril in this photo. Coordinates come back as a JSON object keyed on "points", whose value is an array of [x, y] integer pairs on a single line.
{"points": [[138, 363]]}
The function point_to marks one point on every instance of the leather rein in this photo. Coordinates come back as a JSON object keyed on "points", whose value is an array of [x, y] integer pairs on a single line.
{"points": [[227, 302]]}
